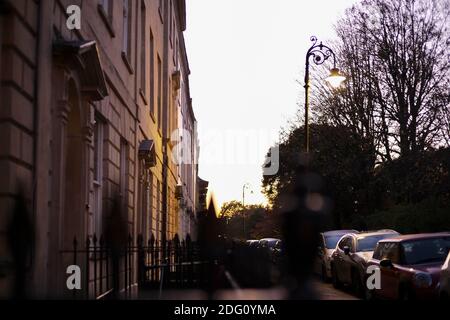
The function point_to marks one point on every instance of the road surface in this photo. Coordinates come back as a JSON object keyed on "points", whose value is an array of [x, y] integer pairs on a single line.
{"points": [[327, 292]]}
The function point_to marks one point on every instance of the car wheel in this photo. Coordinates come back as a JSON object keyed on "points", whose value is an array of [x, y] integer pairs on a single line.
{"points": [[334, 278], [357, 285]]}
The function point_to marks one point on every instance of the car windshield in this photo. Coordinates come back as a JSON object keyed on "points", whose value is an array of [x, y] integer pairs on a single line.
{"points": [[331, 241], [426, 250], [272, 243], [369, 243]]}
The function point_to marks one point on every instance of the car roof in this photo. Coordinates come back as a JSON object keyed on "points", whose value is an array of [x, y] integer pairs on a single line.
{"points": [[339, 232], [379, 231], [376, 233], [407, 237], [269, 239]]}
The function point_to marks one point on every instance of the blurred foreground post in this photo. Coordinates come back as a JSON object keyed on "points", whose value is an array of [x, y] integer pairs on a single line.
{"points": [[20, 241], [116, 235], [303, 212]]}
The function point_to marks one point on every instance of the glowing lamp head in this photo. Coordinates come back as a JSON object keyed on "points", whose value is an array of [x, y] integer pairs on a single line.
{"points": [[335, 78]]}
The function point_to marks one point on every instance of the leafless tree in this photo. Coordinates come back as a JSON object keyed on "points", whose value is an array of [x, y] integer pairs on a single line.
{"points": [[396, 57]]}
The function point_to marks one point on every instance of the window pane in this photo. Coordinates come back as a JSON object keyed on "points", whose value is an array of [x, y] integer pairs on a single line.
{"points": [[159, 93], [96, 222], [331, 241], [124, 174], [369, 243], [152, 75], [127, 28], [106, 6], [98, 150], [426, 251], [143, 51]]}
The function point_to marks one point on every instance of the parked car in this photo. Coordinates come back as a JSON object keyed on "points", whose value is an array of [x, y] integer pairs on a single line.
{"points": [[267, 257], [268, 243], [327, 244], [349, 260], [410, 265], [252, 243], [445, 280]]}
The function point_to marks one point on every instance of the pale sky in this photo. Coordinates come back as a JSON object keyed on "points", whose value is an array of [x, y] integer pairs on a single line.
{"points": [[245, 57]]}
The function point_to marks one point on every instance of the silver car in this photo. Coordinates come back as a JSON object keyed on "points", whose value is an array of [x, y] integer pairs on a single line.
{"points": [[327, 245], [349, 260], [445, 280], [268, 244]]}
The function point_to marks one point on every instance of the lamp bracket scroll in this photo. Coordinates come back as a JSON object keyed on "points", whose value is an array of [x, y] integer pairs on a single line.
{"points": [[320, 52]]}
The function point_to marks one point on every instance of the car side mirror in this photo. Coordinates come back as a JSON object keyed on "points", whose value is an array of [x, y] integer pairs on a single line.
{"points": [[346, 250], [386, 263]]}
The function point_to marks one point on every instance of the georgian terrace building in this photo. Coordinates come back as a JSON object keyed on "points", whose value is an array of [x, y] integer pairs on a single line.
{"points": [[87, 114]]}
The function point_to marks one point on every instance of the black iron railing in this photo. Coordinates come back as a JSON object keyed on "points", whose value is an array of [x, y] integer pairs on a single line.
{"points": [[113, 271]]}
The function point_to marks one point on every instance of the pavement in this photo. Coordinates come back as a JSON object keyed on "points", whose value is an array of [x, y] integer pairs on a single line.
{"points": [[327, 292], [324, 290]]}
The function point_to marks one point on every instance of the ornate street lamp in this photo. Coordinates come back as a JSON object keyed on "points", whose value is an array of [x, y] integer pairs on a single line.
{"points": [[320, 53]]}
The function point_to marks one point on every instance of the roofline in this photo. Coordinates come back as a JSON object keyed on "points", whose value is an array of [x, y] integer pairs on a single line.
{"points": [[417, 236], [340, 231], [181, 6]]}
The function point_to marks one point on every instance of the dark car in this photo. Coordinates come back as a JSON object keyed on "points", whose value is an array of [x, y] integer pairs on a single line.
{"points": [[327, 244], [410, 265], [268, 255], [252, 243], [268, 244], [349, 260], [270, 247]]}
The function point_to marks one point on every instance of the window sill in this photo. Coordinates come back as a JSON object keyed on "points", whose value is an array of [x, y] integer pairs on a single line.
{"points": [[152, 115], [106, 20], [144, 99], [127, 62], [160, 14]]}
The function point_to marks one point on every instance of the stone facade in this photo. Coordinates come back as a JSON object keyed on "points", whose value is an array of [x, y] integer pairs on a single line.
{"points": [[76, 109]]}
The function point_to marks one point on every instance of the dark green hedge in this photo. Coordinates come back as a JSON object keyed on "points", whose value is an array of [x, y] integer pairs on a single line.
{"points": [[430, 215]]}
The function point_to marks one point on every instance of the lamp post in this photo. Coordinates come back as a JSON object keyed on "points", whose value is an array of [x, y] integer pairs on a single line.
{"points": [[320, 53]]}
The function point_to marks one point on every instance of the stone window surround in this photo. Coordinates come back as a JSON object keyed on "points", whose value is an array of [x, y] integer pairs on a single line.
{"points": [[98, 135], [127, 33], [160, 10], [107, 18], [143, 85]]}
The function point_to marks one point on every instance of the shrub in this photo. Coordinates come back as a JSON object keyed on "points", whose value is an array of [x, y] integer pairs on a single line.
{"points": [[430, 215]]}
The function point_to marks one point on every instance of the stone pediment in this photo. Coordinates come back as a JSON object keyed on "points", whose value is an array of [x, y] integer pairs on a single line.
{"points": [[83, 56]]}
